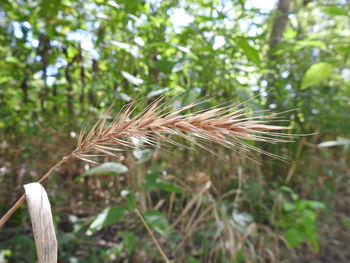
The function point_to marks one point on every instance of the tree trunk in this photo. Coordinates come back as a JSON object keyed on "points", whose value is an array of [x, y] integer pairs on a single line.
{"points": [[43, 52], [82, 80], [54, 95], [69, 91], [24, 87], [278, 28]]}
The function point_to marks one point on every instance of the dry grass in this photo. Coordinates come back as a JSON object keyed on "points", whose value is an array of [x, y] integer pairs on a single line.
{"points": [[225, 125]]}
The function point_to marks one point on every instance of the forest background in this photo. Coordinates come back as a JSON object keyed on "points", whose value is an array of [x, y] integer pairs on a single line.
{"points": [[63, 63]]}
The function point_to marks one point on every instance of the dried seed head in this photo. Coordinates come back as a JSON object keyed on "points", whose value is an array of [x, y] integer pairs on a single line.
{"points": [[224, 125]]}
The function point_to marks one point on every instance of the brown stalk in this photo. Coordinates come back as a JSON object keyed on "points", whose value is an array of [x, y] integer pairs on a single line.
{"points": [[21, 200], [225, 125]]}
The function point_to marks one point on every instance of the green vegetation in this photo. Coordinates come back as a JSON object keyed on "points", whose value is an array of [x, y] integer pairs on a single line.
{"points": [[64, 63]]}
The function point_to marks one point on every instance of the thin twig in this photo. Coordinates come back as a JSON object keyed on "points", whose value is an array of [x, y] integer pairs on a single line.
{"points": [[13, 209], [152, 236]]}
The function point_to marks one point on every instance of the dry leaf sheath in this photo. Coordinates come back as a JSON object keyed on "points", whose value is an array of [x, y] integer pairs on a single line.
{"points": [[225, 125]]}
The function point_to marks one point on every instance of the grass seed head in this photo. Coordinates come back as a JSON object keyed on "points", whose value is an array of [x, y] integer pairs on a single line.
{"points": [[224, 125]]}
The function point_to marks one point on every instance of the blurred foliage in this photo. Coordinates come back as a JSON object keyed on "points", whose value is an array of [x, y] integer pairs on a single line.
{"points": [[64, 62]]}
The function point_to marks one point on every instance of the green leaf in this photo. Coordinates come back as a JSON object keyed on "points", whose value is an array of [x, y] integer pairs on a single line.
{"points": [[11, 60], [293, 237], [344, 49], [239, 257], [309, 218], [192, 259], [286, 188], [315, 205], [170, 188], [4, 254], [288, 206], [251, 53], [129, 240], [201, 18], [108, 168], [335, 11], [290, 33], [165, 65], [108, 216], [316, 73], [310, 43], [130, 198], [157, 221], [153, 181]]}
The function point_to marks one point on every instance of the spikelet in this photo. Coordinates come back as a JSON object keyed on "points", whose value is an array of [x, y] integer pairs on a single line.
{"points": [[226, 125]]}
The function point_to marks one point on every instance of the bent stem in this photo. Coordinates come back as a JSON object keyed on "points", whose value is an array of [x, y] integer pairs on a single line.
{"points": [[21, 200]]}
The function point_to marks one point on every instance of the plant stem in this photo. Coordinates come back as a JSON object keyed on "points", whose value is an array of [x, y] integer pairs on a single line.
{"points": [[12, 210], [20, 201], [166, 260]]}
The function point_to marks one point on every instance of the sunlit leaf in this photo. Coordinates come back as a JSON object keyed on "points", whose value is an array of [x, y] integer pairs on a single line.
{"points": [[316, 73], [11, 60], [157, 92], [120, 44], [310, 43], [290, 33], [131, 49], [123, 96], [335, 11], [251, 53], [134, 80], [181, 48], [179, 66], [108, 216], [114, 4], [338, 142]]}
